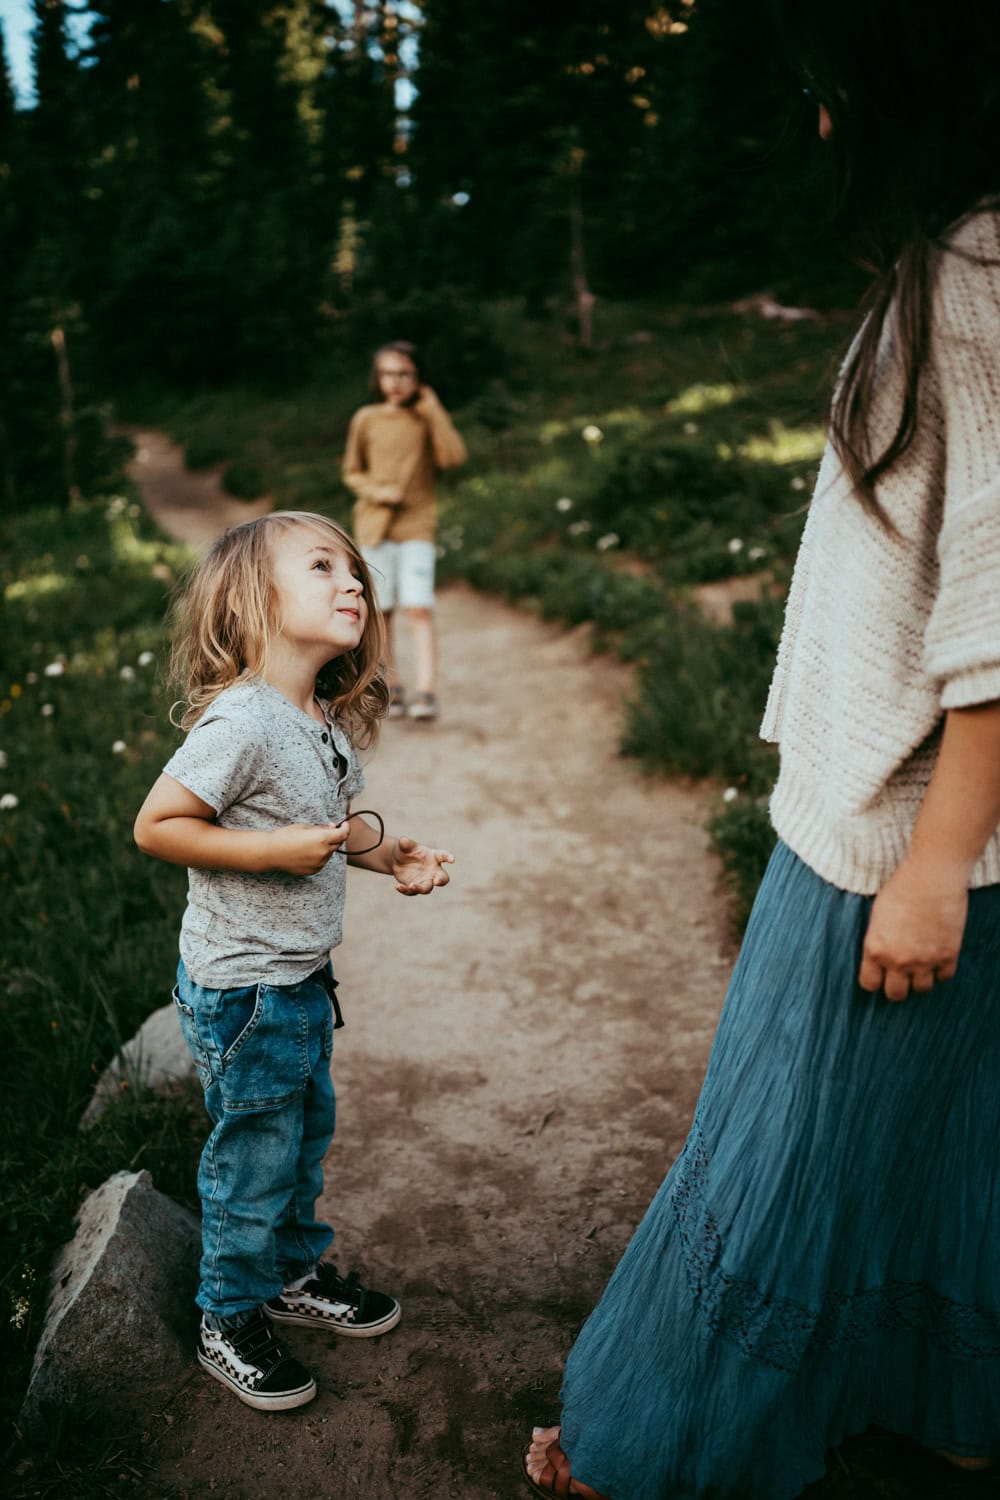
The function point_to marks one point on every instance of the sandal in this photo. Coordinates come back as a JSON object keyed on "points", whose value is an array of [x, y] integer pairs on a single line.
{"points": [[555, 1478]]}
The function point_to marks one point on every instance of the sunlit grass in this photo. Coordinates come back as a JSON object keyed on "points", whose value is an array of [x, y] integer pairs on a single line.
{"points": [[701, 398]]}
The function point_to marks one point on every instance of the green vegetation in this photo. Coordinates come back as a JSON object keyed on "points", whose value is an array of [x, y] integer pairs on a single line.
{"points": [[91, 925]]}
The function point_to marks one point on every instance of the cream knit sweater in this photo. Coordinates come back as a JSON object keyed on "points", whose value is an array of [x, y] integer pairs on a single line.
{"points": [[883, 633]]}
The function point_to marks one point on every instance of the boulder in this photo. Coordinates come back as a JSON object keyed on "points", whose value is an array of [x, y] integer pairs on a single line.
{"points": [[156, 1058], [120, 1323]]}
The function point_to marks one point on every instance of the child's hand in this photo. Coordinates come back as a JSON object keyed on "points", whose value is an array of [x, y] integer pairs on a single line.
{"points": [[304, 848], [388, 494], [426, 400], [418, 869]]}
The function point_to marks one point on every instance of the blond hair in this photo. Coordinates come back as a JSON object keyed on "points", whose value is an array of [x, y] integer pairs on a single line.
{"points": [[226, 619]]}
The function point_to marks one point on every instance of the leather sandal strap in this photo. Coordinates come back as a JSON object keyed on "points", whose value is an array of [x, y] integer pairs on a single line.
{"points": [[556, 1476]]}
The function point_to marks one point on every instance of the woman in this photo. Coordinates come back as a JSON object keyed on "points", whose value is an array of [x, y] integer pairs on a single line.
{"points": [[822, 1256]]}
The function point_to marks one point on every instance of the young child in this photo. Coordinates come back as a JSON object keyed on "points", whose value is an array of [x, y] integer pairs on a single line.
{"points": [[280, 653], [394, 448]]}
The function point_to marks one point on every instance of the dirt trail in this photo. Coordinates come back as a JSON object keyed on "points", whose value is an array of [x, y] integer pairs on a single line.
{"points": [[520, 1062]]}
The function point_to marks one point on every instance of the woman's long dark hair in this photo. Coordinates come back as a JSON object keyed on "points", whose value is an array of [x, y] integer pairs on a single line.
{"points": [[913, 91]]}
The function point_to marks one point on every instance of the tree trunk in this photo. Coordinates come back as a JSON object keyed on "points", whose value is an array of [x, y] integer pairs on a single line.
{"points": [[67, 416], [583, 297]]}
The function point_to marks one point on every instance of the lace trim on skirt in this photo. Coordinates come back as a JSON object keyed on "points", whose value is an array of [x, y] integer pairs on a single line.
{"points": [[780, 1332]]}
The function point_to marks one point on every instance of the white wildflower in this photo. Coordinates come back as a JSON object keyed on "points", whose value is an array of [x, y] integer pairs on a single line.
{"points": [[116, 505], [564, 503], [55, 669], [798, 483], [119, 747], [690, 428], [610, 539], [578, 528], [592, 433], [730, 794], [145, 658], [127, 674], [47, 710], [756, 553], [8, 801], [31, 678], [734, 545]]}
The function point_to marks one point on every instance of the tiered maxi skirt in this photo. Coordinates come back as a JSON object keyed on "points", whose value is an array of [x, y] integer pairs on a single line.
{"points": [[823, 1256]]}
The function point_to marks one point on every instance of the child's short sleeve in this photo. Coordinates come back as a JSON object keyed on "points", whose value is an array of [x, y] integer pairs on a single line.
{"points": [[220, 760]]}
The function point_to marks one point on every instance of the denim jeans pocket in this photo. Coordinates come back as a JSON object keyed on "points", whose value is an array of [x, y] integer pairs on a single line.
{"points": [[190, 1033], [263, 1040]]}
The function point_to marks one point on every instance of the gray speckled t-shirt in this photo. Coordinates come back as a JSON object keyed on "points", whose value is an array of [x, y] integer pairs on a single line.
{"points": [[262, 763]]}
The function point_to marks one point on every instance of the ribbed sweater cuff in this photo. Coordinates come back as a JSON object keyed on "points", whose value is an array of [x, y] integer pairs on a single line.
{"points": [[966, 689]]}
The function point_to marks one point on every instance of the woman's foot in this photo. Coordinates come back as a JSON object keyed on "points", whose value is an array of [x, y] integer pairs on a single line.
{"points": [[546, 1467]]}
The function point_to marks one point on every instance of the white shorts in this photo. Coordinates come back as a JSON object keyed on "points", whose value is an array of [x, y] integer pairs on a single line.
{"points": [[403, 574]]}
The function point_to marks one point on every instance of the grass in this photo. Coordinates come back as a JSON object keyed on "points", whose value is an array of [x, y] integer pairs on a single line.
{"points": [[90, 923]]}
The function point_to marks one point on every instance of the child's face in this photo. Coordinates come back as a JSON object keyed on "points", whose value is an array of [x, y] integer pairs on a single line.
{"points": [[319, 598], [397, 378]]}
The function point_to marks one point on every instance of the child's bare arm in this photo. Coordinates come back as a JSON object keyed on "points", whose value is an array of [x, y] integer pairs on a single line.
{"points": [[416, 868], [175, 825]]}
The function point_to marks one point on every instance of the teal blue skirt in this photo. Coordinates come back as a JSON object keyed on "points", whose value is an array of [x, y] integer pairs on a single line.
{"points": [[823, 1255]]}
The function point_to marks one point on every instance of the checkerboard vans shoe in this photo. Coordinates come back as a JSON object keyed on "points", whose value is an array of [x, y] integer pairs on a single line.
{"points": [[255, 1365], [341, 1304]]}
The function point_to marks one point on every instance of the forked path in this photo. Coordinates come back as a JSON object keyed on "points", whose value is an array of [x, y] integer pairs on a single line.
{"points": [[520, 1062]]}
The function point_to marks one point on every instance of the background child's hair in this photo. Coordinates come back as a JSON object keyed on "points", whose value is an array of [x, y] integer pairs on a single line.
{"points": [[408, 351], [225, 620]]}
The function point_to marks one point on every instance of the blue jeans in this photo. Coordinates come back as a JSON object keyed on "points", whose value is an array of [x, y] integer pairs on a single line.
{"points": [[263, 1054]]}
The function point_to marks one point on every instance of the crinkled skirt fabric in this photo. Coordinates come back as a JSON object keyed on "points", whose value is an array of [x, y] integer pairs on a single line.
{"points": [[823, 1254]]}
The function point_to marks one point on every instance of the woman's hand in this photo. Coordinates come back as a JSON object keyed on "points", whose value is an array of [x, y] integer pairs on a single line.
{"points": [[915, 929], [417, 869]]}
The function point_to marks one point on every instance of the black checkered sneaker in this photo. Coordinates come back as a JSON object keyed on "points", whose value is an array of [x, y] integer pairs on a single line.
{"points": [[255, 1365], [338, 1303]]}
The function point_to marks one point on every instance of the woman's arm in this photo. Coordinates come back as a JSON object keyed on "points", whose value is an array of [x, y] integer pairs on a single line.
{"points": [[918, 918], [449, 450], [175, 825]]}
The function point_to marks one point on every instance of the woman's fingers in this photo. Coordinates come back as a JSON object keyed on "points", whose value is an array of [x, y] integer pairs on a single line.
{"points": [[899, 984]]}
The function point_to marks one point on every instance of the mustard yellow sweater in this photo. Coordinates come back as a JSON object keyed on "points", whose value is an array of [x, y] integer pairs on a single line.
{"points": [[401, 448]]}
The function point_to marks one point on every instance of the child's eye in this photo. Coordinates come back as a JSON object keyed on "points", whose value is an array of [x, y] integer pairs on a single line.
{"points": [[322, 563]]}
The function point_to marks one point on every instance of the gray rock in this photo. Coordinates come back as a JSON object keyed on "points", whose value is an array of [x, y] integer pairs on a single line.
{"points": [[156, 1058], [120, 1324]]}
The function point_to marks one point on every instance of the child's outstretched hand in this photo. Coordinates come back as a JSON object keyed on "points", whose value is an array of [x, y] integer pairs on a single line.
{"points": [[418, 869]]}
